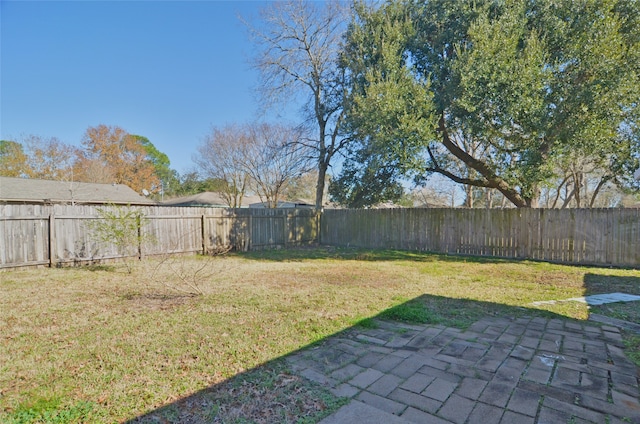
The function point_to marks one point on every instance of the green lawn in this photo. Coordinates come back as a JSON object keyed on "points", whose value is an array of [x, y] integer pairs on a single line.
{"points": [[99, 344]]}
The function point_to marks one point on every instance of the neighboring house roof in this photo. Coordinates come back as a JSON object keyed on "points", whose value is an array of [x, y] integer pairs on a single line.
{"points": [[26, 190], [296, 203], [431, 204], [386, 205], [207, 199]]}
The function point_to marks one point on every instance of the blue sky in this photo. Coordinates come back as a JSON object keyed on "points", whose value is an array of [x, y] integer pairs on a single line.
{"points": [[162, 69]]}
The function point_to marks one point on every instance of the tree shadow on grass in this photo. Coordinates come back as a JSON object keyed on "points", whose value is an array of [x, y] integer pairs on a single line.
{"points": [[628, 313], [602, 284], [272, 393], [323, 252], [320, 252]]}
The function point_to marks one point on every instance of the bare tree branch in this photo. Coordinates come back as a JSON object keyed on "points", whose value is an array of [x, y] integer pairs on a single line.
{"points": [[299, 44], [221, 156]]}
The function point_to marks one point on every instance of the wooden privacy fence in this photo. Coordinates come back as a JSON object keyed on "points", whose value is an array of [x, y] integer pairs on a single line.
{"points": [[53, 235], [59, 234], [571, 236]]}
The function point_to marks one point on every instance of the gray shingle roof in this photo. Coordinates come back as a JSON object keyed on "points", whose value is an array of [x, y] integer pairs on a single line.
{"points": [[23, 190], [206, 198]]}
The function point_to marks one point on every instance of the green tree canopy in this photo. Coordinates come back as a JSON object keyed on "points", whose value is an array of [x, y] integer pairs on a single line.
{"points": [[193, 183], [13, 160], [504, 95], [169, 178]]}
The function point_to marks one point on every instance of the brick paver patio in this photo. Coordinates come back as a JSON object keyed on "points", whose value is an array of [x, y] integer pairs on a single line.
{"points": [[500, 370]]}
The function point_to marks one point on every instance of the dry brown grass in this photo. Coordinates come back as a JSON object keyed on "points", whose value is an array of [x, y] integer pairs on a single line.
{"points": [[127, 343]]}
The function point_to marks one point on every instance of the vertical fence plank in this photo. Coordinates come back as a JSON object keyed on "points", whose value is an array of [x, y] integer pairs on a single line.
{"points": [[52, 240], [203, 233]]}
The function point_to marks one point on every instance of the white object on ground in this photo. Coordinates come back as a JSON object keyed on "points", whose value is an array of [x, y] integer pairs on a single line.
{"points": [[549, 360], [601, 299], [596, 299]]}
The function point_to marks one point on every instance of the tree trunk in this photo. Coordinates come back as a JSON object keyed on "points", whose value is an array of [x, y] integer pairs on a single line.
{"points": [[601, 184], [468, 201], [323, 160], [322, 173], [577, 178], [534, 200], [493, 180]]}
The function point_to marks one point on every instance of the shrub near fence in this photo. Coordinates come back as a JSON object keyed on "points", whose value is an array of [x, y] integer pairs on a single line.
{"points": [[60, 234], [571, 236]]}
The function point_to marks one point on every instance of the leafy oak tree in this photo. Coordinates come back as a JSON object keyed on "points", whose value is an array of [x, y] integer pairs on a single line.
{"points": [[390, 115], [501, 95]]}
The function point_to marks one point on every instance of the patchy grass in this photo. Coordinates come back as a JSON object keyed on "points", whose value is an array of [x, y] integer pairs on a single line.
{"points": [[50, 411], [413, 312], [607, 282], [267, 394], [460, 313], [101, 345], [629, 311], [632, 347]]}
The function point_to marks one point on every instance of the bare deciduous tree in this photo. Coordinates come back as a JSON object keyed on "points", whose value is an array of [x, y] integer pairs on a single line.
{"points": [[261, 157], [49, 159], [299, 44], [302, 187], [274, 157], [93, 170], [221, 157], [582, 182]]}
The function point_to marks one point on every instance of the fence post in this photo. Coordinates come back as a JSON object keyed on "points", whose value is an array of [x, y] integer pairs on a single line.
{"points": [[52, 241], [250, 234], [139, 225], [204, 234], [286, 228]]}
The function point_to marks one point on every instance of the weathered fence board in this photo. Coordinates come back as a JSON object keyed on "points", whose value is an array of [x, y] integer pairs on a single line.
{"points": [[59, 234], [572, 236]]}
